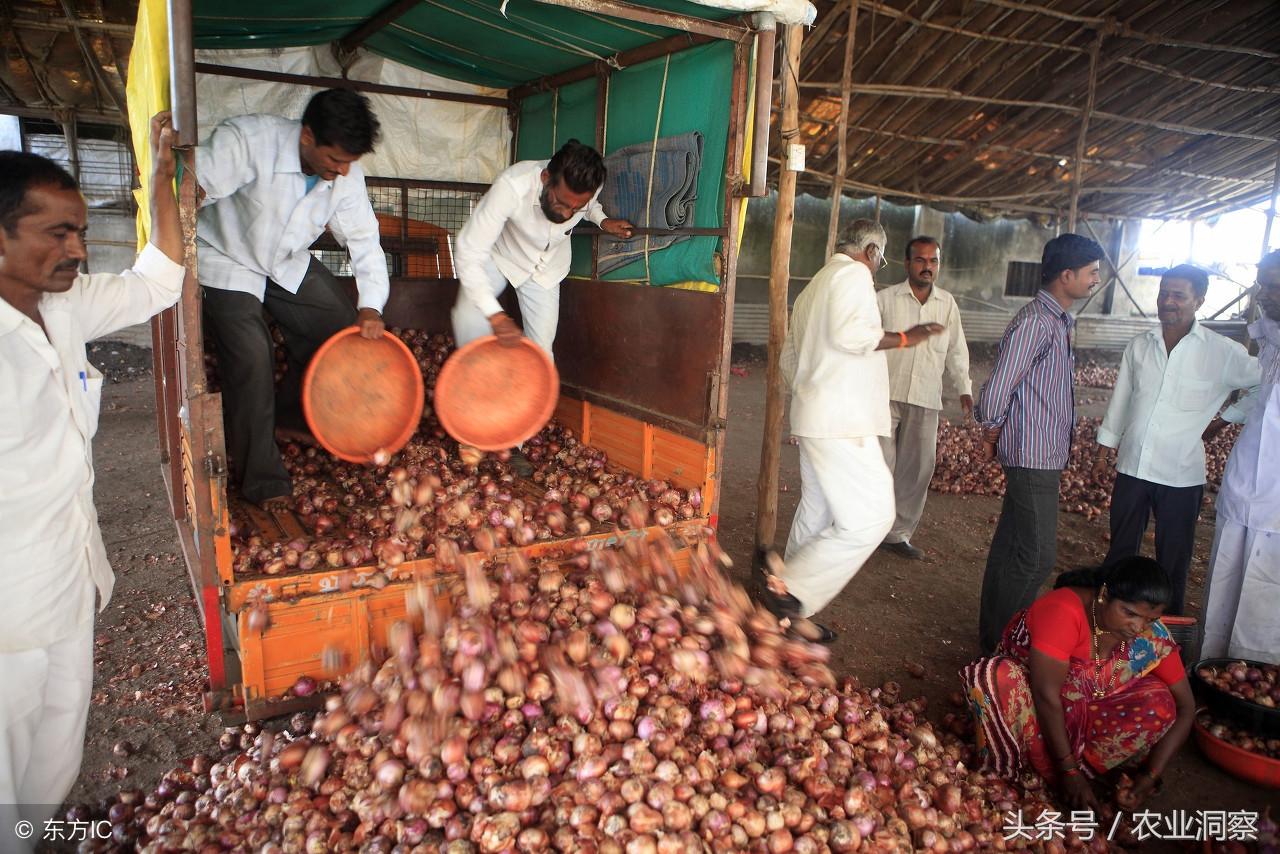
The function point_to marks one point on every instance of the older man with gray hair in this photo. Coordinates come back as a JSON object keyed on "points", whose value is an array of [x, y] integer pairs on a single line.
{"points": [[839, 387]]}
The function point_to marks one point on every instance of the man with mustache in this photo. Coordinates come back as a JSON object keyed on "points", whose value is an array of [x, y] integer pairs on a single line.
{"points": [[519, 234], [916, 377], [1241, 614], [270, 187], [52, 558], [1171, 384]]}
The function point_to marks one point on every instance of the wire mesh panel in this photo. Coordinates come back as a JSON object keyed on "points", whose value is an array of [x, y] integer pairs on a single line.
{"points": [[418, 223]]}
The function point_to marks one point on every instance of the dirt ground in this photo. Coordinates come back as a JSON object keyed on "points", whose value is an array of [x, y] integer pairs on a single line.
{"points": [[149, 652]]}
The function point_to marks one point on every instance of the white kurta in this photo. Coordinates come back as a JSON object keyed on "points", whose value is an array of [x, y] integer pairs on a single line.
{"points": [[53, 561], [1242, 607], [839, 406]]}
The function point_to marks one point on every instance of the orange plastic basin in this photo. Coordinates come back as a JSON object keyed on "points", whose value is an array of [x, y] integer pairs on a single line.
{"points": [[1246, 765], [494, 397], [362, 396]]}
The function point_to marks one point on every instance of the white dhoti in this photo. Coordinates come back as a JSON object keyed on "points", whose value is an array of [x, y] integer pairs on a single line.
{"points": [[846, 508], [1242, 609], [44, 704], [1242, 602]]}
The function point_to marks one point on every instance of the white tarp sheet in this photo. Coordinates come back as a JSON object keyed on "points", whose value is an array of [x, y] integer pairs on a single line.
{"points": [[421, 138]]}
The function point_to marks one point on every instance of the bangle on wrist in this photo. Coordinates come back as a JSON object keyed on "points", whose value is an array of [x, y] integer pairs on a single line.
{"points": [[1073, 771], [902, 340]]}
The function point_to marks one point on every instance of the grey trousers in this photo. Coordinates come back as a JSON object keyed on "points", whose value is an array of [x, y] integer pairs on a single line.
{"points": [[246, 367], [1176, 508], [910, 452], [1023, 550]]}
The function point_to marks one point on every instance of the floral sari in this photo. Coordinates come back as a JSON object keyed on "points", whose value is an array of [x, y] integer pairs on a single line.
{"points": [[1135, 713]]}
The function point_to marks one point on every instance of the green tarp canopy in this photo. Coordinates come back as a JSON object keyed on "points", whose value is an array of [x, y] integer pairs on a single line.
{"points": [[475, 42], [469, 40]]}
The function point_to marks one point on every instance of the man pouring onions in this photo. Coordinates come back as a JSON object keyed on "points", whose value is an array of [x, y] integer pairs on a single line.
{"points": [[52, 558]]}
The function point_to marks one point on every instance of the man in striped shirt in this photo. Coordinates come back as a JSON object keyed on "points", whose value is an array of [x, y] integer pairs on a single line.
{"points": [[1027, 408]]}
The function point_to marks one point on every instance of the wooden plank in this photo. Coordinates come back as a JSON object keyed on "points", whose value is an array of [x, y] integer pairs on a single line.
{"points": [[619, 436], [779, 279], [679, 459], [656, 348], [570, 412], [727, 30]]}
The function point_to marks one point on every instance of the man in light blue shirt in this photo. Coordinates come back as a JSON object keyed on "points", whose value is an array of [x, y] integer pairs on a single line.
{"points": [[270, 187], [1172, 382]]}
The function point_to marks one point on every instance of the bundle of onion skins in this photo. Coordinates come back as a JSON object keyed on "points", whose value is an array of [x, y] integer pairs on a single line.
{"points": [[609, 704]]}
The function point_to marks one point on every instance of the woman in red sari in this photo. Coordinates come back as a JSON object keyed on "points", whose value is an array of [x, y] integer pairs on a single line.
{"points": [[1084, 681]]}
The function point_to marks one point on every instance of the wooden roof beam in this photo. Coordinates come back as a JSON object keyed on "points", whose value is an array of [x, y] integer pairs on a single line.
{"points": [[645, 15], [1256, 89], [92, 63], [1150, 168], [935, 93], [1123, 30], [389, 14], [891, 12], [634, 56]]}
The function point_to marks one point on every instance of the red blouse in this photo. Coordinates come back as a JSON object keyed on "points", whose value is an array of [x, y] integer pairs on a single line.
{"points": [[1059, 628]]}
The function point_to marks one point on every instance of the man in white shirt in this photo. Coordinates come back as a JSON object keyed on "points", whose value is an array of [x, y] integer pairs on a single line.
{"points": [[52, 558], [1242, 602], [1171, 384], [519, 234], [916, 377], [839, 408], [271, 186]]}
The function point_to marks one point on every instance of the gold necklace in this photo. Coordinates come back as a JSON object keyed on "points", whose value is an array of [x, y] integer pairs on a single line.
{"points": [[1099, 691]]}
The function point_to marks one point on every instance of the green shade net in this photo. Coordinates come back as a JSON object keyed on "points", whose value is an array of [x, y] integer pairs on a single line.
{"points": [[468, 40], [697, 93]]}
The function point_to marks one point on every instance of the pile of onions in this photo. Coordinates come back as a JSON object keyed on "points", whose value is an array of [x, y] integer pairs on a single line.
{"points": [[1092, 374], [1253, 682], [434, 493], [961, 470], [608, 704], [1240, 737]]}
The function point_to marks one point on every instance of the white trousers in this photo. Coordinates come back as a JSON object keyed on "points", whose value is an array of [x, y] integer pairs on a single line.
{"points": [[910, 452], [846, 508], [44, 705], [1242, 603], [539, 311]]}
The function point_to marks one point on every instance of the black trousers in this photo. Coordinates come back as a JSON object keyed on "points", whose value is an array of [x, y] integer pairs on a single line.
{"points": [[1023, 550], [1133, 502], [237, 325]]}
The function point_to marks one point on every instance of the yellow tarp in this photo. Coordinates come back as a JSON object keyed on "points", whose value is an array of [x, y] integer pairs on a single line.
{"points": [[148, 94]]}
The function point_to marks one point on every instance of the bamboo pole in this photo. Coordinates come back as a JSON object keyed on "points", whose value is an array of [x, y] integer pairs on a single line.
{"points": [[1253, 89], [779, 282], [891, 12], [766, 44], [842, 144], [1128, 32], [942, 94], [1111, 163], [1271, 211], [1077, 170]]}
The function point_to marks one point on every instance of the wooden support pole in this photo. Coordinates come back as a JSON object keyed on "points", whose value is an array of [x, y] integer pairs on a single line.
{"points": [[67, 118], [766, 44], [182, 73], [779, 283], [1077, 169], [842, 144], [1271, 209]]}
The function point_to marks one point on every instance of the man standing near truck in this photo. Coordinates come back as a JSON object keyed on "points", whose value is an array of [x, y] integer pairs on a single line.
{"points": [[53, 561], [519, 234], [833, 365], [916, 378], [270, 187], [1027, 410], [1172, 381]]}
